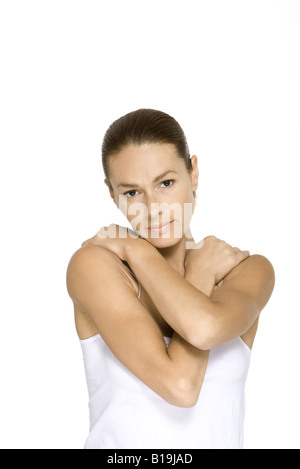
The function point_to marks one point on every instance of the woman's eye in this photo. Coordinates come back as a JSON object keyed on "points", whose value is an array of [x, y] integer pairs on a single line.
{"points": [[129, 194], [168, 181]]}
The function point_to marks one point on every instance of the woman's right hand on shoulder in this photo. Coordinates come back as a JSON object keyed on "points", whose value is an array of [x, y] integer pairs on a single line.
{"points": [[214, 257], [116, 239]]}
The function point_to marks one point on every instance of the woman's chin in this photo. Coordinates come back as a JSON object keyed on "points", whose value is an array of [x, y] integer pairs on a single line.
{"points": [[166, 244], [162, 242]]}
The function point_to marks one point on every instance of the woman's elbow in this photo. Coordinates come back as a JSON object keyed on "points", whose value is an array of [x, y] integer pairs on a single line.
{"points": [[203, 338], [184, 394]]}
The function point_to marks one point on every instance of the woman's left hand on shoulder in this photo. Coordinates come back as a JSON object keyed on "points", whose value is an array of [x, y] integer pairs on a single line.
{"points": [[116, 238]]}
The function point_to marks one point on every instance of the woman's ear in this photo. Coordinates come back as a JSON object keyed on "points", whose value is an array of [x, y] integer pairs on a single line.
{"points": [[111, 191], [195, 173]]}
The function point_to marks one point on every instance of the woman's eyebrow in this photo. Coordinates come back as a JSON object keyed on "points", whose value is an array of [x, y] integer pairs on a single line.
{"points": [[154, 180]]}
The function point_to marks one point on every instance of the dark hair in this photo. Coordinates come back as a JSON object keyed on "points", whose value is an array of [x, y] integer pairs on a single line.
{"points": [[144, 126]]}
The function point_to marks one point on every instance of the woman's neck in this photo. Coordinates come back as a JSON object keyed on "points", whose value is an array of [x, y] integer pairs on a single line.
{"points": [[175, 255]]}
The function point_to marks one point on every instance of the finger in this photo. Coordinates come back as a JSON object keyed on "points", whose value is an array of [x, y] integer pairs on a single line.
{"points": [[236, 250], [85, 243], [242, 255]]}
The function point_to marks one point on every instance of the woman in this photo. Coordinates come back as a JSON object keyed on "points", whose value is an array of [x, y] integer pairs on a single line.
{"points": [[166, 325]]}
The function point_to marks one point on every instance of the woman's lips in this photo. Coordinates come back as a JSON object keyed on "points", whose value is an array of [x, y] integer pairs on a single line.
{"points": [[160, 228]]}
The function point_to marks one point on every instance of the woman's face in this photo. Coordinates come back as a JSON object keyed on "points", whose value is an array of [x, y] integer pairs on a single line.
{"points": [[154, 190]]}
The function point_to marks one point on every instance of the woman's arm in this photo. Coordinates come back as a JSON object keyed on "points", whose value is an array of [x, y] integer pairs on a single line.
{"points": [[101, 288], [178, 349], [203, 321], [183, 306]]}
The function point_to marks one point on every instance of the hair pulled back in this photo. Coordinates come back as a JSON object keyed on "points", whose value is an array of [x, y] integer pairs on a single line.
{"points": [[140, 127]]}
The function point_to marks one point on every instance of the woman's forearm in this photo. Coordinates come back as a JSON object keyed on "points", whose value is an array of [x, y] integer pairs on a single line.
{"points": [[204, 282], [179, 300], [191, 360]]}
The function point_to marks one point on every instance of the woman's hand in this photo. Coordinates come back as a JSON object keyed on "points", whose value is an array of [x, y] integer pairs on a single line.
{"points": [[215, 257], [115, 238]]}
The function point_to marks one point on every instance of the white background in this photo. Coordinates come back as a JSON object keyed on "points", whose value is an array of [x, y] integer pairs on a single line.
{"points": [[229, 72]]}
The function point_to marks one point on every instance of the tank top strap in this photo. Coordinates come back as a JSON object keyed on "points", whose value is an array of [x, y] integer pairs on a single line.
{"points": [[140, 286]]}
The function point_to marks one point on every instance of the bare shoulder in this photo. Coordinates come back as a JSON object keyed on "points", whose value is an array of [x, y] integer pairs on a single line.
{"points": [[256, 268], [261, 262], [90, 264], [244, 293], [260, 268], [81, 262], [88, 254]]}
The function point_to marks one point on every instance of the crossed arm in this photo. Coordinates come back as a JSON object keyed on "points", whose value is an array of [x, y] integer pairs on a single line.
{"points": [[205, 321], [201, 316]]}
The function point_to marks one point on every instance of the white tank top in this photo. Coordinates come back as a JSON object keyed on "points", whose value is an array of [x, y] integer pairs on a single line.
{"points": [[127, 414]]}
